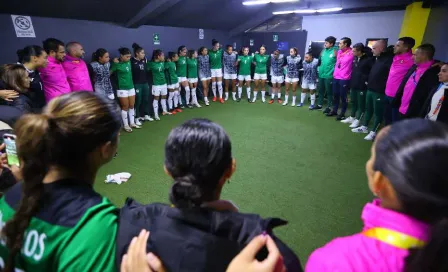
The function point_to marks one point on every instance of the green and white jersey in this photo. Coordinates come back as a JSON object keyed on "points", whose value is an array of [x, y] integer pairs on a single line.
{"points": [[245, 63], [192, 65], [181, 67], [158, 72], [327, 62], [171, 76], [215, 58], [74, 230], [261, 63], [124, 74]]}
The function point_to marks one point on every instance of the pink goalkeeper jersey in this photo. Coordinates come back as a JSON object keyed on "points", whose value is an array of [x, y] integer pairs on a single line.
{"points": [[344, 62], [77, 74], [400, 66], [54, 79]]}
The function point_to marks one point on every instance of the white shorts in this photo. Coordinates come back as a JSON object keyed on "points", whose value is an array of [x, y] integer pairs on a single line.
{"points": [[126, 93], [246, 78], [309, 85], [173, 86], [291, 80], [216, 72], [277, 79], [260, 76], [230, 76], [159, 90], [182, 79], [193, 80], [205, 78]]}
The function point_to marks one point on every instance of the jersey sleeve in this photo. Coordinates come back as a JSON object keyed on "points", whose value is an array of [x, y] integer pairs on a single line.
{"points": [[92, 245], [113, 67]]}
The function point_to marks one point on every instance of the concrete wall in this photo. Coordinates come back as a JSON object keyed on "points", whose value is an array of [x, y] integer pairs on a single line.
{"points": [[436, 31], [294, 39]]}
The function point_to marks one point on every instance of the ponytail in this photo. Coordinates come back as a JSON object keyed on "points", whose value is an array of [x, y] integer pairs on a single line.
{"points": [[31, 132], [98, 54], [433, 256], [185, 192]]}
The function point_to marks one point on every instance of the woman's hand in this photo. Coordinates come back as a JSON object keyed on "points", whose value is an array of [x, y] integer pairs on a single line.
{"points": [[245, 261], [137, 260], [16, 171], [116, 60], [8, 95]]}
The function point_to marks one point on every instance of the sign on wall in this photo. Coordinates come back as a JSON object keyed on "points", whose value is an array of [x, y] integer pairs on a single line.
{"points": [[234, 45], [282, 46], [156, 38], [251, 42], [201, 34], [23, 26], [275, 38]]}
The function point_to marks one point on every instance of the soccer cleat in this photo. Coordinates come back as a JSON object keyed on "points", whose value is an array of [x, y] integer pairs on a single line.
{"points": [[135, 126], [361, 129], [263, 100], [285, 103], [157, 118], [173, 112], [148, 118], [207, 103], [340, 117], [293, 104], [371, 136], [238, 99], [355, 123], [137, 122], [280, 101], [189, 106], [271, 101], [327, 110], [166, 113], [331, 114], [348, 120], [300, 105], [254, 100], [127, 129], [178, 110], [312, 107], [221, 101], [214, 99], [317, 107], [182, 106]]}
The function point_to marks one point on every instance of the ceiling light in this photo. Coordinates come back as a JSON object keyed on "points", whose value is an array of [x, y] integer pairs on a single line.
{"points": [[305, 11], [283, 12], [301, 11], [329, 10], [262, 2]]}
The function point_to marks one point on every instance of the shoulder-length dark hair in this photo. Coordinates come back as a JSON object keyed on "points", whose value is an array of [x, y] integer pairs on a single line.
{"points": [[13, 76]]}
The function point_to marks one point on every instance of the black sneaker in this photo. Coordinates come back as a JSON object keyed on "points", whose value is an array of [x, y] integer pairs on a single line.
{"points": [[317, 107], [326, 111], [182, 106], [331, 114], [189, 106], [340, 117]]}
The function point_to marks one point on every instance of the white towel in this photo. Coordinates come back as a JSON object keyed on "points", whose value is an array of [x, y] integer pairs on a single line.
{"points": [[118, 178]]}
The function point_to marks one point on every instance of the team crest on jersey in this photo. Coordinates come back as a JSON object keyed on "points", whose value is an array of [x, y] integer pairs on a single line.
{"points": [[331, 55], [402, 61], [127, 69]]}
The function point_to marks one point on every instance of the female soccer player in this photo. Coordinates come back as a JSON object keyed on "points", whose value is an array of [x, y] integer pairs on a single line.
{"points": [[126, 91], [181, 71], [205, 74], [277, 64], [293, 62], [230, 74], [159, 88], [260, 75], [309, 80], [244, 62], [173, 82], [192, 69], [101, 75], [140, 77], [216, 65]]}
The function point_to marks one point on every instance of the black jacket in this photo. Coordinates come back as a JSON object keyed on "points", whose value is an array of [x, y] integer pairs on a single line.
{"points": [[196, 239], [22, 103], [443, 111], [380, 72], [139, 72], [425, 85], [360, 72], [36, 91]]}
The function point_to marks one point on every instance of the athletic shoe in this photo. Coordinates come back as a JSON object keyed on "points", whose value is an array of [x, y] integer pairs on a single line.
{"points": [[238, 99], [189, 106], [271, 101], [371, 136], [249, 101], [348, 120], [285, 103], [327, 110], [317, 107], [127, 129], [361, 129], [263, 99], [331, 114], [221, 101], [178, 110], [340, 117], [214, 99], [166, 113], [227, 98], [197, 105], [293, 104], [148, 118], [157, 118], [182, 106], [355, 123], [207, 103], [312, 107], [254, 100], [300, 105], [137, 122], [135, 126], [173, 112], [280, 101]]}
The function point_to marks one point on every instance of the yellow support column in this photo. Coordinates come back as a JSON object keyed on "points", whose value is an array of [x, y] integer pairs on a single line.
{"points": [[415, 21]]}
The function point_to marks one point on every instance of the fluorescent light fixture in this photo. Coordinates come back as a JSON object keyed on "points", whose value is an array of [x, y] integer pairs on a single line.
{"points": [[262, 2], [302, 11]]}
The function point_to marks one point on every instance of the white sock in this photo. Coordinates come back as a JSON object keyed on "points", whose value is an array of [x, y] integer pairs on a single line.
{"points": [[155, 106], [194, 98], [176, 98], [255, 95], [205, 98], [164, 105], [214, 88], [313, 99], [240, 91], [279, 94], [272, 94], [293, 99], [302, 98], [131, 113], [234, 95], [227, 95], [220, 88], [263, 94], [248, 92], [124, 117], [286, 97], [187, 94], [170, 100]]}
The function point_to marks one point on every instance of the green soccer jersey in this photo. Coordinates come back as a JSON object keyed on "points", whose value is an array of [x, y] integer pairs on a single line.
{"points": [[192, 68], [171, 77], [75, 231], [261, 63], [245, 63], [158, 72], [215, 58], [181, 67], [327, 62], [124, 74]]}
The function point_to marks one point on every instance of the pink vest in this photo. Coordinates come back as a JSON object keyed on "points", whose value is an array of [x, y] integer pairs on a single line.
{"points": [[54, 79], [77, 74], [361, 253], [400, 66], [344, 62]]}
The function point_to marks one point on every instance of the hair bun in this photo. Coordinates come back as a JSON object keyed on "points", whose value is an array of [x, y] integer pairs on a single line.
{"points": [[185, 192], [135, 46]]}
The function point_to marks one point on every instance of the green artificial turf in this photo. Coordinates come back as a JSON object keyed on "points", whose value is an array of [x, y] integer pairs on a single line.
{"points": [[292, 163]]}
